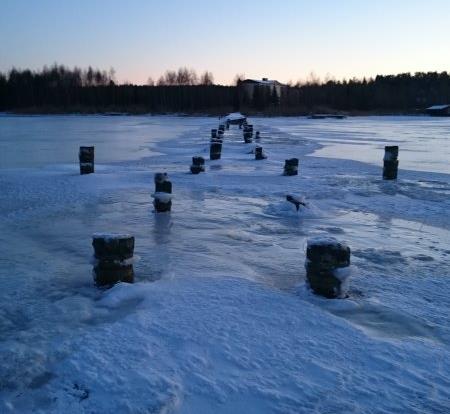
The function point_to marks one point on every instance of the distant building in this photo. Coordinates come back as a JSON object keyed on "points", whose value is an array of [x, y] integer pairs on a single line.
{"points": [[249, 86], [438, 110]]}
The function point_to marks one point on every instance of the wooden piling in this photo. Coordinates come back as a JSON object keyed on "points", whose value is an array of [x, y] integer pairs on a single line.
{"points": [[390, 162], [291, 166], [327, 262], [113, 254], [86, 158]]}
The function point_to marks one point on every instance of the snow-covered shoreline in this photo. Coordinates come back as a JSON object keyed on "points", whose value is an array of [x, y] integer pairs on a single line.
{"points": [[228, 326]]}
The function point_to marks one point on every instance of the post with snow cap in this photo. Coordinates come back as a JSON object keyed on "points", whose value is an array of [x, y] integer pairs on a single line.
{"points": [[390, 162], [113, 258], [86, 157], [163, 193], [327, 267], [291, 166], [198, 165]]}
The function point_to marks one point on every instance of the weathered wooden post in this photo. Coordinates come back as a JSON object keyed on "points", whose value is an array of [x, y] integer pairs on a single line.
{"points": [[163, 193], [390, 162], [221, 128], [113, 258], [86, 157], [259, 153], [227, 125], [220, 134], [257, 135], [248, 137], [215, 150], [327, 267], [198, 165], [213, 133], [291, 166]]}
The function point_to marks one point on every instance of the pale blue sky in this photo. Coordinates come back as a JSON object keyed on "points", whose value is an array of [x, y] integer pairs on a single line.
{"points": [[284, 40]]}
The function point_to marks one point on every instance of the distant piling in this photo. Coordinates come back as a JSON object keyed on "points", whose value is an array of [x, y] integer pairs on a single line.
{"points": [[259, 153], [86, 157], [327, 267], [257, 135], [390, 162], [291, 167], [113, 258], [213, 133], [163, 193], [198, 165]]}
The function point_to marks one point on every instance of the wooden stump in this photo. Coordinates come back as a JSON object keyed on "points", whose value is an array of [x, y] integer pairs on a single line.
{"points": [[248, 137], [327, 262], [163, 193], [390, 162], [113, 255], [86, 158], [291, 167], [198, 165], [259, 154], [215, 150]]}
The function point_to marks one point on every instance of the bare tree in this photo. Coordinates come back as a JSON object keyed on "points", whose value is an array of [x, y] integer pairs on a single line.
{"points": [[238, 78], [207, 78]]}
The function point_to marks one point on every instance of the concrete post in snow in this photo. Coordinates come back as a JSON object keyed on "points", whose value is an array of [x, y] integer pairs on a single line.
{"points": [[113, 258], [163, 193], [327, 267], [390, 162], [198, 165], [291, 167], [86, 157]]}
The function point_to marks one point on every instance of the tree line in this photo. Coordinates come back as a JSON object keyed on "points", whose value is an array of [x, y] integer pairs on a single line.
{"points": [[61, 89]]}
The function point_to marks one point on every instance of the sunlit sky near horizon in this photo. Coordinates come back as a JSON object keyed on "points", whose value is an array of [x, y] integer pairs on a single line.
{"points": [[284, 40]]}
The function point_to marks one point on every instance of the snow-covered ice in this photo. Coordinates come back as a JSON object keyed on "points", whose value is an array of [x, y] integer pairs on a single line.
{"points": [[220, 319]]}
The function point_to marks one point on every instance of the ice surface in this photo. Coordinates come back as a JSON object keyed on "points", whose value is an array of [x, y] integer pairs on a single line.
{"points": [[220, 318]]}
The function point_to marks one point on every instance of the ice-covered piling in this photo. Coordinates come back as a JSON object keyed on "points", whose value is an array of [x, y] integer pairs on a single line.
{"points": [[86, 157], [163, 193], [327, 267], [291, 166], [390, 162], [220, 134], [259, 153], [213, 133], [221, 128], [113, 258], [198, 165], [215, 150]]}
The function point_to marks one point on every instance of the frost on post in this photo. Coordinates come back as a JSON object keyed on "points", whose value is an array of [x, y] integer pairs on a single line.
{"points": [[327, 267], [113, 258]]}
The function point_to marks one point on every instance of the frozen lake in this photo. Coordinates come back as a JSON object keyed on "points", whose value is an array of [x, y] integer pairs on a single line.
{"points": [[220, 317]]}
